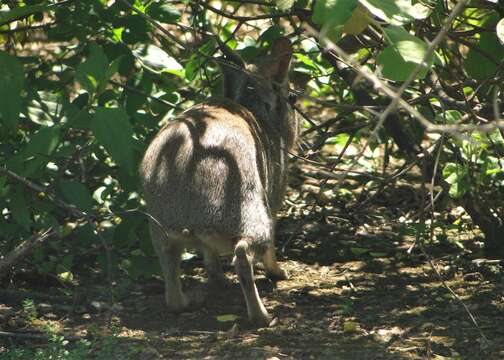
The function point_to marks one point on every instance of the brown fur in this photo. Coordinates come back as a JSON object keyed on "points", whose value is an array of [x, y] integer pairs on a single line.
{"points": [[216, 176]]}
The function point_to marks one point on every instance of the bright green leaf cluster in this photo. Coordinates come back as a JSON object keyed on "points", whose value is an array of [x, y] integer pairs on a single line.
{"points": [[405, 52]]}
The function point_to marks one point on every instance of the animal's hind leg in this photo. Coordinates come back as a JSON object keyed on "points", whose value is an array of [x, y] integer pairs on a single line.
{"points": [[213, 268], [273, 270], [243, 264], [169, 257]]}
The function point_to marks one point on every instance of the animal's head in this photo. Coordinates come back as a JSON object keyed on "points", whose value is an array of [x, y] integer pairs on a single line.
{"points": [[262, 87]]}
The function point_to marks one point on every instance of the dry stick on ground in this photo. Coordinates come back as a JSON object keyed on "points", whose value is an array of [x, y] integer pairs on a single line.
{"points": [[23, 250]]}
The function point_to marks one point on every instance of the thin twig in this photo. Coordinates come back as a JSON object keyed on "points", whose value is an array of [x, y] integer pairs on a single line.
{"points": [[23, 250], [27, 28], [244, 18], [40, 189], [156, 24]]}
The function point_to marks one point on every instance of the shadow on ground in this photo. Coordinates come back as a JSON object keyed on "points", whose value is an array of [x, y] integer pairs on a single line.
{"points": [[350, 296]]}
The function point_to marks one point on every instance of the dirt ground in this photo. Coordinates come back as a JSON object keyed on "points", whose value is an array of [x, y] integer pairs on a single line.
{"points": [[349, 296], [354, 292]]}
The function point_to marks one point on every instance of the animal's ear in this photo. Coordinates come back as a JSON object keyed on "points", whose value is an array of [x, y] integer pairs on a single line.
{"points": [[231, 66], [232, 79], [277, 65]]}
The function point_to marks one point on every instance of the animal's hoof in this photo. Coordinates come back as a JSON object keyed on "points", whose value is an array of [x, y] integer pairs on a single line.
{"points": [[262, 321], [260, 318]]}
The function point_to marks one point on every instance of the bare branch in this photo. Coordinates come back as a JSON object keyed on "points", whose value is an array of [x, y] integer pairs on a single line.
{"points": [[156, 24], [23, 250], [37, 188], [245, 18]]}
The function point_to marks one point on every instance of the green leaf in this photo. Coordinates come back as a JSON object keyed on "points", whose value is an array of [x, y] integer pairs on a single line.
{"points": [[378, 254], [109, 72], [43, 142], [125, 234], [284, 4], [350, 327], [456, 176], [394, 67], [480, 66], [163, 12], [269, 35], [227, 318], [404, 54], [36, 153], [42, 107], [340, 139], [357, 251], [114, 132], [337, 12], [77, 194], [449, 117], [157, 60], [92, 73], [4, 188], [394, 34], [410, 47], [19, 207], [357, 22], [452, 171], [193, 66], [397, 12], [493, 171], [20, 12], [138, 265], [500, 30], [458, 189], [137, 30], [134, 100], [332, 16], [11, 85], [496, 137], [414, 52], [66, 277], [307, 61]]}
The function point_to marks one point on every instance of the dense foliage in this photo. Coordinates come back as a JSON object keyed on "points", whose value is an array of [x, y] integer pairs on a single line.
{"points": [[84, 85]]}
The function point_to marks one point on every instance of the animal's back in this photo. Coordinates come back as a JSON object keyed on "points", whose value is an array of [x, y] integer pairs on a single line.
{"points": [[202, 172], [215, 177]]}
